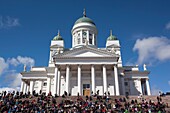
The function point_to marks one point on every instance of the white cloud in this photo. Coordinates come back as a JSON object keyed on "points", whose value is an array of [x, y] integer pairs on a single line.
{"points": [[8, 89], [169, 82], [8, 22], [129, 63], [152, 49], [3, 65], [21, 60], [13, 80], [13, 61], [12, 77], [16, 81], [26, 60], [168, 25]]}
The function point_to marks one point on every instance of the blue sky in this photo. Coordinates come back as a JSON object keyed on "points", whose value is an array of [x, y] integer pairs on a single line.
{"points": [[27, 27]]}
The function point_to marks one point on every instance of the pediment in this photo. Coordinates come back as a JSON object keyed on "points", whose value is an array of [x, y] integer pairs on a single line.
{"points": [[85, 52]]}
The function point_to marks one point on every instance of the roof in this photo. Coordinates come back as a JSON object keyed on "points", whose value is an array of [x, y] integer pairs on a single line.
{"points": [[58, 37], [84, 19], [112, 37], [84, 51]]}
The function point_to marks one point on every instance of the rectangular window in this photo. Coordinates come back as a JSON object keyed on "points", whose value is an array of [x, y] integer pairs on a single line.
{"points": [[90, 41], [126, 83], [45, 84], [78, 41], [84, 40]]}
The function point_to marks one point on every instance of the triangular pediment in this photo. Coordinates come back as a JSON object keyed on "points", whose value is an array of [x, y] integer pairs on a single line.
{"points": [[86, 52]]}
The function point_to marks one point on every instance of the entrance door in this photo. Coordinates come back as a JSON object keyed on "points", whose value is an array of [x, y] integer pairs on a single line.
{"points": [[86, 89]]}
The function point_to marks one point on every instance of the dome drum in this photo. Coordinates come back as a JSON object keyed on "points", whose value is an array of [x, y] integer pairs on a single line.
{"points": [[84, 32]]}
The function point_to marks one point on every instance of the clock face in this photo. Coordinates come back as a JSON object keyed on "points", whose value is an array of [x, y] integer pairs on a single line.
{"points": [[84, 33]]}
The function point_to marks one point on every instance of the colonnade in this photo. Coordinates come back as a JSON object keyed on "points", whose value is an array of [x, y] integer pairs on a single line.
{"points": [[29, 87], [25, 87], [79, 80]]}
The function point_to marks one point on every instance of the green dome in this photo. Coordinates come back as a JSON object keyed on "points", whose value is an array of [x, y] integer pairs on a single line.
{"points": [[84, 19], [58, 37], [111, 37]]}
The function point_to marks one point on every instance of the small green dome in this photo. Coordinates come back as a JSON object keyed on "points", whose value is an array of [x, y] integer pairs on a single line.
{"points": [[84, 19], [112, 37], [58, 37]]}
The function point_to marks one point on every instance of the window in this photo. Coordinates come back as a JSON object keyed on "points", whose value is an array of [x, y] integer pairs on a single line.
{"points": [[45, 84], [78, 41], [86, 86], [84, 40], [126, 83], [90, 41], [84, 34], [127, 93]]}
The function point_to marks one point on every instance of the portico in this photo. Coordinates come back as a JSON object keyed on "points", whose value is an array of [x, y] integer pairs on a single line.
{"points": [[83, 74]]}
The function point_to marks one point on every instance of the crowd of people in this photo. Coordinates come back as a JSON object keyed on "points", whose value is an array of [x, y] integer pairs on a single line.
{"points": [[17, 102]]}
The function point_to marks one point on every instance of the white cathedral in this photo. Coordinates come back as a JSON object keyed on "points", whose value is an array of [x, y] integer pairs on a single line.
{"points": [[84, 68]]}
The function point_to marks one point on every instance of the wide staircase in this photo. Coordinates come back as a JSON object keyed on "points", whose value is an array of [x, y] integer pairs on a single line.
{"points": [[165, 99]]}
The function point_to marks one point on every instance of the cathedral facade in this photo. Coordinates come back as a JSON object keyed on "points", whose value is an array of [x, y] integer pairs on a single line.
{"points": [[86, 69]]}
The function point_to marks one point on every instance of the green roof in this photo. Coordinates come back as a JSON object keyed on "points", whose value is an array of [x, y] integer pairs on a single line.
{"points": [[84, 19], [58, 37], [111, 37]]}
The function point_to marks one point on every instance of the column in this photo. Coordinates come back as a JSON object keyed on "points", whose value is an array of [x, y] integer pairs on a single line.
{"points": [[28, 88], [31, 86], [140, 86], [123, 86], [40, 86], [88, 37], [93, 39], [104, 80], [22, 86], [58, 84], [81, 37], [67, 79], [48, 89], [116, 81], [25, 88], [148, 87], [93, 79], [79, 79], [55, 80]]}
